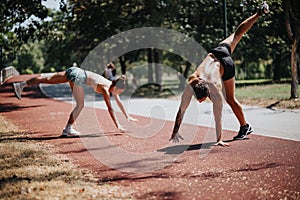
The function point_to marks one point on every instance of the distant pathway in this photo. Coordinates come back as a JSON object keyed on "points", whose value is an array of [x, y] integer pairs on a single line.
{"points": [[279, 123]]}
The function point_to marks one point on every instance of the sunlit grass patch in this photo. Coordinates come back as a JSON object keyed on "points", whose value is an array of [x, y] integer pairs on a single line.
{"points": [[268, 96], [32, 170]]}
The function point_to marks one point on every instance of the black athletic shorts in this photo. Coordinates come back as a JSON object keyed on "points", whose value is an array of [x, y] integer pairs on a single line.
{"points": [[223, 54]]}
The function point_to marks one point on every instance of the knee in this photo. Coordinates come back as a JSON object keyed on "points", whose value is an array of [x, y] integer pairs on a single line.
{"points": [[80, 105], [231, 101]]}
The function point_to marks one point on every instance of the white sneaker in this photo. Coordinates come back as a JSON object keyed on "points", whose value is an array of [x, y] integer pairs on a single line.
{"points": [[18, 90], [70, 131]]}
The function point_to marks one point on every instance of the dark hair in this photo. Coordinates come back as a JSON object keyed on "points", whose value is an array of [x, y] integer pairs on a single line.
{"points": [[201, 90], [119, 82], [199, 86], [112, 67]]}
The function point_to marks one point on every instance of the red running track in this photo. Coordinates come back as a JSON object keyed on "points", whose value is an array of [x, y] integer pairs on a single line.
{"points": [[256, 168]]}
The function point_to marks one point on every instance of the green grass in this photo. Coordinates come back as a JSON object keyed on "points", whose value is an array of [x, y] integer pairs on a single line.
{"points": [[263, 95], [254, 81], [263, 92], [272, 91], [271, 95]]}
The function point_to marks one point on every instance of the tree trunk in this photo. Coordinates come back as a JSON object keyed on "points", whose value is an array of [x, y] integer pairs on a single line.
{"points": [[277, 62], [298, 66], [123, 65], [158, 73], [187, 69], [1, 63], [294, 84], [184, 75], [150, 66], [292, 24]]}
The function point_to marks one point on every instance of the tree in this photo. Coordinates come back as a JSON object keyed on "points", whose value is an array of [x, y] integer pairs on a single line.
{"points": [[15, 26], [292, 22], [81, 25], [29, 58]]}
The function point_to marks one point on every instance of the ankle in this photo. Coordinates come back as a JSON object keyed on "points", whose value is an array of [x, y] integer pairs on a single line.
{"points": [[245, 125], [23, 84], [68, 126]]}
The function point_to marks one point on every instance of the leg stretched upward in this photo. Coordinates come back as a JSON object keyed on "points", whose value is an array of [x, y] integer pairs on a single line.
{"points": [[235, 37], [229, 85]]}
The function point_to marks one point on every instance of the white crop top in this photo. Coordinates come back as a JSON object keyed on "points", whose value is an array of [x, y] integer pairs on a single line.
{"points": [[94, 79]]}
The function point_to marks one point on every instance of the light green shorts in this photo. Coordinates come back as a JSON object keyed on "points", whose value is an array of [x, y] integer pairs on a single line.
{"points": [[76, 75]]}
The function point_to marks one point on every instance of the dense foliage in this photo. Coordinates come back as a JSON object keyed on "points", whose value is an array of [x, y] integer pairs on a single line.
{"points": [[53, 40]]}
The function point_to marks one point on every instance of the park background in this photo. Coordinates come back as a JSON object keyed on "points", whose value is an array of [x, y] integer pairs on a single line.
{"points": [[37, 37]]}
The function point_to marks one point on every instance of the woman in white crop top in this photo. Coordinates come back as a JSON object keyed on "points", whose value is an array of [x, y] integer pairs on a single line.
{"points": [[77, 78]]}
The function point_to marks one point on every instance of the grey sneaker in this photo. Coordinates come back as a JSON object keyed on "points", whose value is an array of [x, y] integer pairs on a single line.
{"points": [[18, 90], [70, 131], [244, 131]]}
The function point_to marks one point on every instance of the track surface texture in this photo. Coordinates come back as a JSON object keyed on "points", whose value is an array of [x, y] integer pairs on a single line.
{"points": [[145, 161]]}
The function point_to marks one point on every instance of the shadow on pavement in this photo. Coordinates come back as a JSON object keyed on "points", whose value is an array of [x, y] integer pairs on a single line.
{"points": [[179, 149], [161, 194], [258, 166], [32, 92], [132, 177], [8, 107], [6, 137]]}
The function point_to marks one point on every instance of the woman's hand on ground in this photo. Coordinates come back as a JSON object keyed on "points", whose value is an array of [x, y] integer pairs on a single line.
{"points": [[175, 137], [221, 143], [131, 119], [122, 129]]}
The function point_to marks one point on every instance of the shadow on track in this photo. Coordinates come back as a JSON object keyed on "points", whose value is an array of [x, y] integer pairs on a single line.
{"points": [[179, 149]]}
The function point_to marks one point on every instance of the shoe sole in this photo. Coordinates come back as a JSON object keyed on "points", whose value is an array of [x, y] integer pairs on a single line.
{"points": [[240, 138], [248, 133], [16, 92], [64, 134], [245, 137], [69, 136]]}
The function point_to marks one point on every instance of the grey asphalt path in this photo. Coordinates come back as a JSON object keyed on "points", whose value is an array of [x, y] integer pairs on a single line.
{"points": [[276, 123]]}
